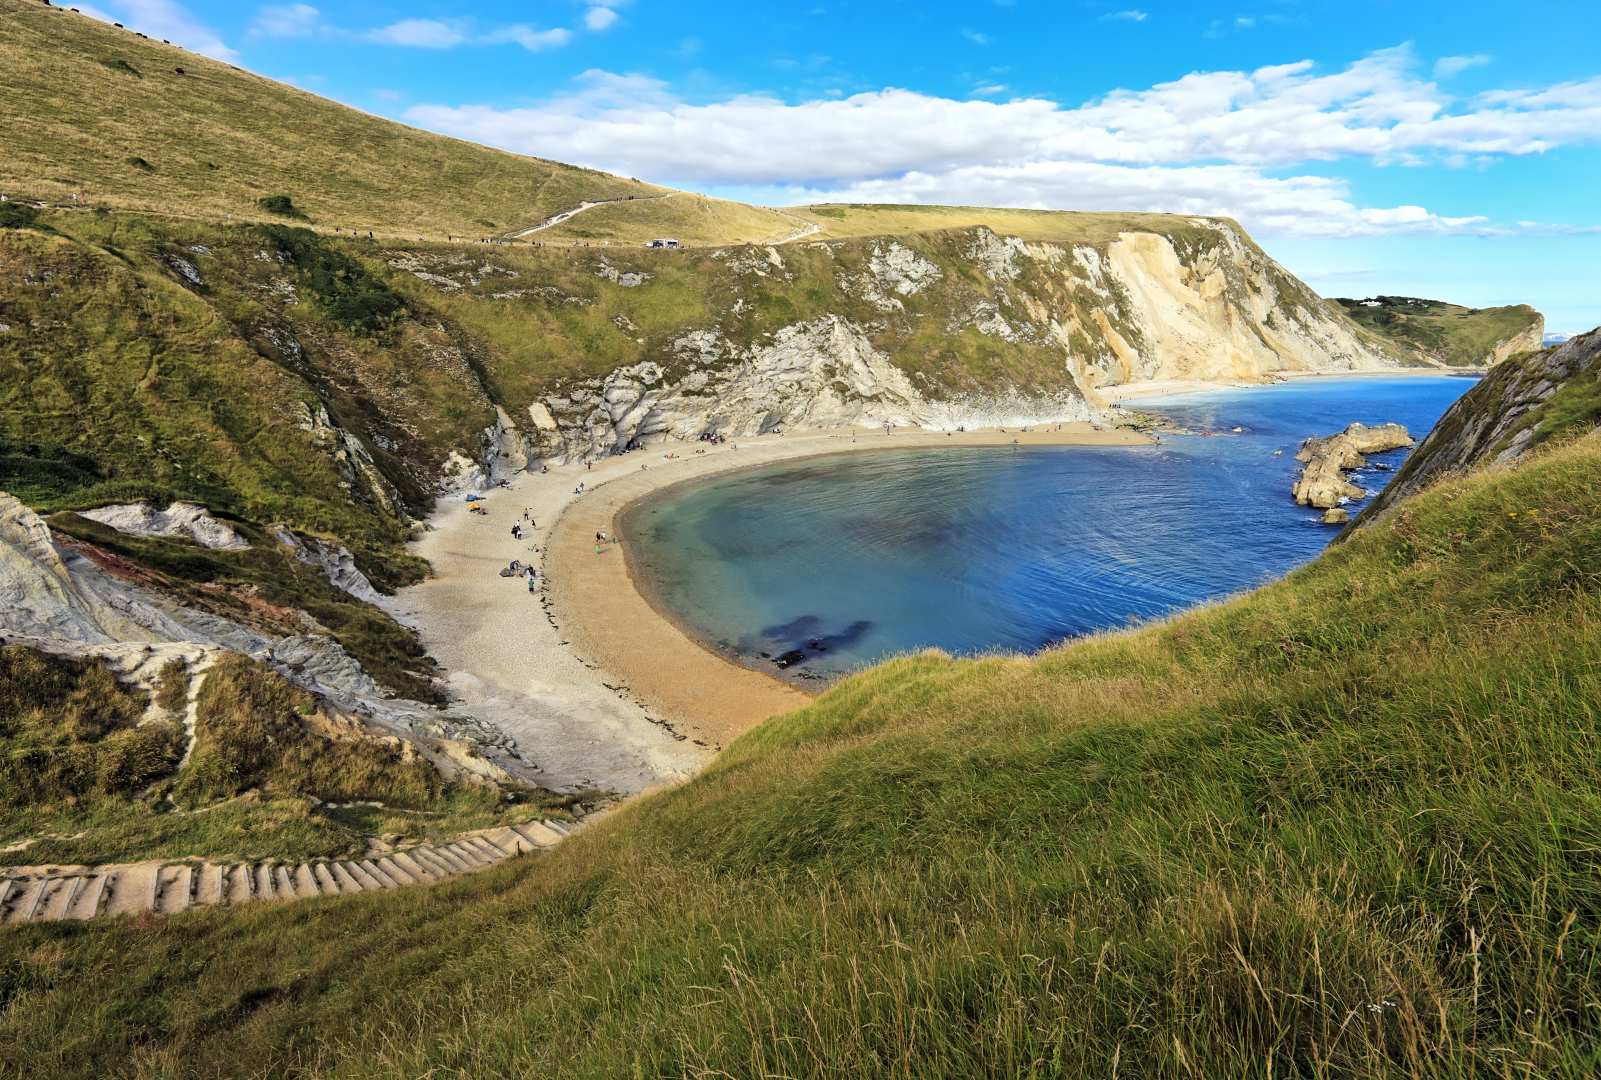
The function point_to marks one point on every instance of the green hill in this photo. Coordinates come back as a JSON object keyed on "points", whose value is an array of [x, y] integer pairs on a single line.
{"points": [[1450, 334], [1343, 826], [132, 123]]}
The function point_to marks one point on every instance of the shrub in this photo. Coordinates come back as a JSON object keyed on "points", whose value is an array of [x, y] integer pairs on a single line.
{"points": [[15, 215], [349, 293], [282, 205]]}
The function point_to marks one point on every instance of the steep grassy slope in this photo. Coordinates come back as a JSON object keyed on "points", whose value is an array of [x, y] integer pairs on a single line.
{"points": [[99, 111], [1344, 826], [1450, 334]]}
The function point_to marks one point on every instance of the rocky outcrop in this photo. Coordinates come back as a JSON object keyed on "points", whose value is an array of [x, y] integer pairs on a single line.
{"points": [[1500, 419], [63, 603], [1322, 482], [358, 473], [179, 520], [334, 560], [824, 373]]}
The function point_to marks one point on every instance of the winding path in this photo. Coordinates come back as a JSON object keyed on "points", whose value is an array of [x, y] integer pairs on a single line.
{"points": [[568, 215]]}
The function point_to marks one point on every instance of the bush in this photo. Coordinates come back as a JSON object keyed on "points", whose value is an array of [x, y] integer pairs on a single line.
{"points": [[282, 205], [350, 294], [15, 215]]}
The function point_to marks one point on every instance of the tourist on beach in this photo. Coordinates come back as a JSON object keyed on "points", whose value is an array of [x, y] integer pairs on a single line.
{"points": [[516, 532], [600, 538], [533, 586]]}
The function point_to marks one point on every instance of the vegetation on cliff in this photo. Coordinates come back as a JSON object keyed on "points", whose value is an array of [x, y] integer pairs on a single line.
{"points": [[1344, 825], [1449, 334]]}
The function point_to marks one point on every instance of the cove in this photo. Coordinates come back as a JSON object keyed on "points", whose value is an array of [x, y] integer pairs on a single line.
{"points": [[813, 568]]}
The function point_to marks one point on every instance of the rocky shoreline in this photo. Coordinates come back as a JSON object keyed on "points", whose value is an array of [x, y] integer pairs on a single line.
{"points": [[1323, 483]]}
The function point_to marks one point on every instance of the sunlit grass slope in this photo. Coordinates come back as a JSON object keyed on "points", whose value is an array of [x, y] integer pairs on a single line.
{"points": [[100, 111], [1347, 825], [843, 220], [691, 219]]}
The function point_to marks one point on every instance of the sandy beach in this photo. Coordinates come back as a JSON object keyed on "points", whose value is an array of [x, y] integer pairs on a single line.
{"points": [[1149, 388], [596, 687]]}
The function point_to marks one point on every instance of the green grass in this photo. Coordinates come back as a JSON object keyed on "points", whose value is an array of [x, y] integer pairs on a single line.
{"points": [[694, 220], [1447, 333], [1344, 826], [219, 140]]}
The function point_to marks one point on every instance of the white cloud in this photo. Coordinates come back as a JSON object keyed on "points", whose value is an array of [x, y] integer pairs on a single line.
{"points": [[420, 34], [976, 37], [169, 21], [529, 38], [990, 90], [1209, 142], [286, 21], [1131, 15], [1447, 66], [600, 18]]}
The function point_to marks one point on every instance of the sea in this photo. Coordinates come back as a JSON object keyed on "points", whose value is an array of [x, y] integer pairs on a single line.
{"points": [[813, 568]]}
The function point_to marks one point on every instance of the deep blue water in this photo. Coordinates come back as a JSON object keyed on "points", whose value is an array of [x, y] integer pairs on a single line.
{"points": [[853, 558]]}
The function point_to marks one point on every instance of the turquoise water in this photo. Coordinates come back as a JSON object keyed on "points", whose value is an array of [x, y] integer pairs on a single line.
{"points": [[838, 562]]}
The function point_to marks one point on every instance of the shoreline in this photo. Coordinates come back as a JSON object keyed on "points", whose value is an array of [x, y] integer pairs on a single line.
{"points": [[1161, 388], [615, 622]]}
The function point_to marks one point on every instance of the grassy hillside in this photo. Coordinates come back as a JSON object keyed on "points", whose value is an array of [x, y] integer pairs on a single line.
{"points": [[215, 140], [1063, 226], [1449, 333], [691, 219], [1344, 826], [87, 777]]}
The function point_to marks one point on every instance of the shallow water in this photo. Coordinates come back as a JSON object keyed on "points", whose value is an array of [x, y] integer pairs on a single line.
{"points": [[843, 561]]}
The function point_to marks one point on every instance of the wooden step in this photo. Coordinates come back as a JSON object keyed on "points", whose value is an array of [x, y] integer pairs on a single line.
{"points": [[348, 882], [174, 889], [416, 869], [86, 902], [394, 871], [361, 874], [436, 866], [238, 884], [56, 898], [132, 889], [265, 887], [376, 872], [562, 828], [538, 833], [325, 879], [468, 854], [283, 882], [305, 882], [486, 847], [208, 884]]}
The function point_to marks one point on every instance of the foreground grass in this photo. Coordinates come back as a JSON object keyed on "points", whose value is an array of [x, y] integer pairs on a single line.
{"points": [[1345, 826]]}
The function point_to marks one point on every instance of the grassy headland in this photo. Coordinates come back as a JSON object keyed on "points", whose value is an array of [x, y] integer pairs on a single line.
{"points": [[1345, 825], [1447, 333]]}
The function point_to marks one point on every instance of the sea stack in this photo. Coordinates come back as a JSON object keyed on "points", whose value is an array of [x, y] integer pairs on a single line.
{"points": [[1322, 482]]}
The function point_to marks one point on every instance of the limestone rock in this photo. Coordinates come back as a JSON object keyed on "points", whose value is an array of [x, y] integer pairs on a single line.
{"points": [[1336, 515], [1322, 482], [181, 519]]}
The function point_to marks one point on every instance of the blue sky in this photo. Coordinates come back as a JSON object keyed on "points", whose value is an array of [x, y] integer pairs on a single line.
{"points": [[1449, 150]]}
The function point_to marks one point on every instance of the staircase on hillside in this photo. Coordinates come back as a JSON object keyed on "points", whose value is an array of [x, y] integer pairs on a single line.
{"points": [[43, 894]]}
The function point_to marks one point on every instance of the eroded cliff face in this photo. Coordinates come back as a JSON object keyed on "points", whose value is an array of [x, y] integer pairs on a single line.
{"points": [[944, 330], [1519, 404]]}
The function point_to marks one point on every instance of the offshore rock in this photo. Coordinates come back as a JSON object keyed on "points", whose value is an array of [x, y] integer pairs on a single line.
{"points": [[1322, 482]]}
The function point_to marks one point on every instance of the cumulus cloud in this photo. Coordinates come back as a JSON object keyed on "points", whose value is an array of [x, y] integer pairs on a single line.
{"points": [[420, 34], [169, 21], [529, 38], [600, 18], [1208, 142]]}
